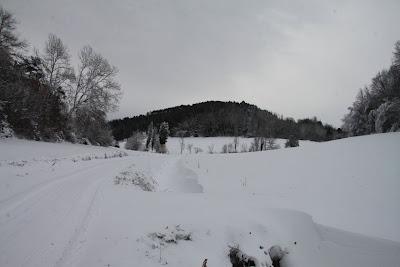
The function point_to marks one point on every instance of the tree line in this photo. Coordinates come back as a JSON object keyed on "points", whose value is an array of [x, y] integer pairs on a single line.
{"points": [[44, 97], [377, 106], [217, 118]]}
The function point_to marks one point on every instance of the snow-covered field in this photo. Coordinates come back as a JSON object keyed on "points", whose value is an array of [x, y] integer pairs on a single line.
{"points": [[216, 143], [204, 144], [74, 205]]}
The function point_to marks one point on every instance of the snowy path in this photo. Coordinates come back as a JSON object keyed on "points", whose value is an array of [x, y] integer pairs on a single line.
{"points": [[52, 214], [176, 177], [56, 211]]}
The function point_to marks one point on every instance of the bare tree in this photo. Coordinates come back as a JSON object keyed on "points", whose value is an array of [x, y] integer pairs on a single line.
{"points": [[271, 144], [256, 144], [94, 85], [236, 143], [211, 149], [56, 62], [182, 143], [197, 150], [9, 40], [189, 148], [243, 148], [181, 135]]}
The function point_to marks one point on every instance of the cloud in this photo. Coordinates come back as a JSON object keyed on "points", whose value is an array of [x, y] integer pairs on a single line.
{"points": [[297, 58]]}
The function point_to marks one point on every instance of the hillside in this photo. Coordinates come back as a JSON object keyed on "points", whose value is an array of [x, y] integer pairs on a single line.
{"points": [[216, 118], [91, 206]]}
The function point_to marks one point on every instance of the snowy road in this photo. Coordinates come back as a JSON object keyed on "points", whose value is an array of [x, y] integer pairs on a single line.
{"points": [[49, 217]]}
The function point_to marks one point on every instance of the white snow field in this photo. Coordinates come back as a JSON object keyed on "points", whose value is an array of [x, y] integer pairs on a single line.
{"points": [[75, 205], [173, 144]]}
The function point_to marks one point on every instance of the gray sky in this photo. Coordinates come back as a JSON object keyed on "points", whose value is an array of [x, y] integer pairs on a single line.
{"points": [[295, 58]]}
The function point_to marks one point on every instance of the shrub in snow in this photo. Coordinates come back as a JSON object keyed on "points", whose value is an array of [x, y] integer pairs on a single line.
{"points": [[277, 254], [5, 130], [228, 148], [243, 148], [231, 148], [172, 234], [387, 116], [139, 179], [271, 144], [292, 142], [189, 148], [224, 149], [240, 259], [135, 142], [197, 150]]}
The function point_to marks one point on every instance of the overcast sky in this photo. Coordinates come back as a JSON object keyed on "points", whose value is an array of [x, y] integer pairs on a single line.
{"points": [[295, 58]]}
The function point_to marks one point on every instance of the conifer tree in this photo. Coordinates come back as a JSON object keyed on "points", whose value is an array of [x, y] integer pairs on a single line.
{"points": [[163, 136]]}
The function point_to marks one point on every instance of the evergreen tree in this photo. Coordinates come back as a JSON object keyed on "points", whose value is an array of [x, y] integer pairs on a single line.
{"points": [[292, 142], [163, 136]]}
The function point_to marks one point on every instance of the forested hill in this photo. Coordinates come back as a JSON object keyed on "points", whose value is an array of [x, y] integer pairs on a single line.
{"points": [[217, 118]]}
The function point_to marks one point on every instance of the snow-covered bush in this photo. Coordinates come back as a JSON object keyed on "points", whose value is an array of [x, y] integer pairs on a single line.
{"points": [[5, 130], [224, 149], [136, 178], [135, 142], [388, 116], [292, 142], [239, 258], [228, 148]]}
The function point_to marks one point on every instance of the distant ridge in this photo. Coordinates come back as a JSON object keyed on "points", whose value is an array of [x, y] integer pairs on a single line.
{"points": [[218, 118]]}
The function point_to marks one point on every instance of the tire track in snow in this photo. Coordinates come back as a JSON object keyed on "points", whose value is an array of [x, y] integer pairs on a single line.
{"points": [[79, 231], [53, 217], [16, 201]]}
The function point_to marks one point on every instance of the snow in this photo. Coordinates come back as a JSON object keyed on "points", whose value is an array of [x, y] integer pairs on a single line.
{"points": [[60, 204], [341, 183], [173, 144]]}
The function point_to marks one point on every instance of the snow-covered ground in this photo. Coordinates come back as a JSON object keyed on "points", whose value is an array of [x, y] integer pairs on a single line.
{"points": [[216, 143], [204, 144], [74, 205]]}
